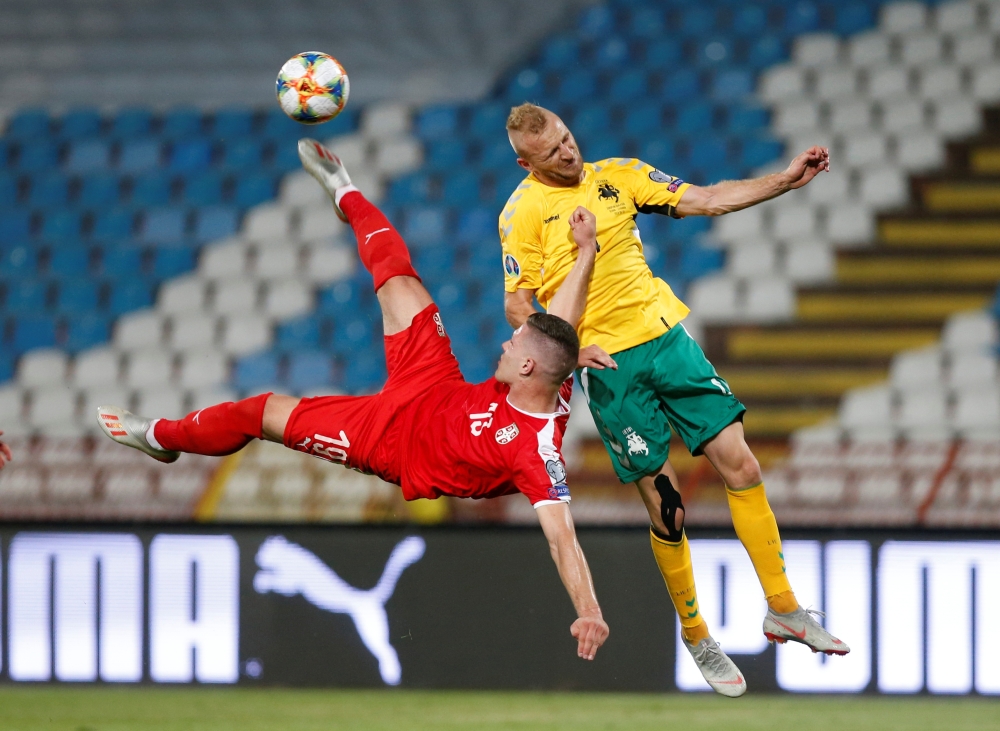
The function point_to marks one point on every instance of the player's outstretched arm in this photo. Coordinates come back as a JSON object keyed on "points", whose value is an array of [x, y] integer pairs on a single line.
{"points": [[5, 454], [571, 299], [590, 629], [735, 195]]}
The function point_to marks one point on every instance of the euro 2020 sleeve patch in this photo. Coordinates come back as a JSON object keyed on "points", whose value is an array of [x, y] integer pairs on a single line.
{"points": [[510, 266]]}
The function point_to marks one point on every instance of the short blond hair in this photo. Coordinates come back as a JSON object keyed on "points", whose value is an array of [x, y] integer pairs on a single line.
{"points": [[527, 118]]}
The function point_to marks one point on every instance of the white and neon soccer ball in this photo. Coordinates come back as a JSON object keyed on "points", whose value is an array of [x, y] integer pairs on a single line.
{"points": [[312, 87]]}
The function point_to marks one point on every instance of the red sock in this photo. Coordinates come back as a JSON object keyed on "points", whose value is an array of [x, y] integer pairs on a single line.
{"points": [[217, 430], [382, 249]]}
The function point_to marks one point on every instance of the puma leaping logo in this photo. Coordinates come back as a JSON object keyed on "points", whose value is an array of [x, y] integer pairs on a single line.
{"points": [[288, 569], [381, 230]]}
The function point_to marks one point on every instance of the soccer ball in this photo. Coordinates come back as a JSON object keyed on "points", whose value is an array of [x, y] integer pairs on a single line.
{"points": [[312, 87]]}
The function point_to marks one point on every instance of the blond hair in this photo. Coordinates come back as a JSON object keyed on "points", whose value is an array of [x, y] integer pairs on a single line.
{"points": [[527, 118]]}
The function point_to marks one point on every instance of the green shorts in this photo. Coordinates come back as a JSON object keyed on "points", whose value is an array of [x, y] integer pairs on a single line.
{"points": [[662, 384]]}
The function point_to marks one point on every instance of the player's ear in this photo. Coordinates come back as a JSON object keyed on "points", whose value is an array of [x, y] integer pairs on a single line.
{"points": [[527, 367], [524, 163]]}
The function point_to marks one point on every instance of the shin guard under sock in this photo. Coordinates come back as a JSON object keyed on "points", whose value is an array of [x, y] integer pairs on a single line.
{"points": [[758, 531], [674, 562], [381, 248], [217, 430]]}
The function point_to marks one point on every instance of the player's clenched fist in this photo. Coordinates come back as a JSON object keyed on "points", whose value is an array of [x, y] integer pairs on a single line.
{"points": [[583, 223], [590, 633]]}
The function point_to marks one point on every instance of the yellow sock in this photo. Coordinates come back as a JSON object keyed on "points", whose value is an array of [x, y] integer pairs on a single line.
{"points": [[674, 561], [758, 531]]}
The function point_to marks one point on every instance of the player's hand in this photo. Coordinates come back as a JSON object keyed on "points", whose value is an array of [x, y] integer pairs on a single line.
{"points": [[807, 166], [593, 356], [584, 226], [5, 455], [590, 633]]}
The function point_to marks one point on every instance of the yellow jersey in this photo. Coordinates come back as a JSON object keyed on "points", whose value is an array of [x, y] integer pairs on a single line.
{"points": [[626, 304]]}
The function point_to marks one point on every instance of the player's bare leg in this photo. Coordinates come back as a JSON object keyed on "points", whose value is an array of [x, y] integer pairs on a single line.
{"points": [[758, 531]]}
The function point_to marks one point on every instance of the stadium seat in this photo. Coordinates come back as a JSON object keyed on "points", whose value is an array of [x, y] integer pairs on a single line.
{"points": [[352, 333], [462, 189], [475, 225], [681, 86], [647, 21], [760, 151], [577, 86], [302, 333], [560, 53], [749, 20], [80, 123], [164, 225], [253, 189], [697, 20], [131, 123], [308, 369], [170, 261], [706, 153], [129, 294], [612, 53], [766, 50], [69, 261], [425, 226], [61, 226], [202, 367], [29, 123], [190, 155], [497, 155], [48, 190], [659, 153], [410, 189], [732, 84], [77, 295], [88, 156], [33, 331], [528, 84], [140, 155], [446, 154], [801, 17], [488, 120], [663, 54], [85, 331], [344, 297], [98, 190], [437, 122], [243, 154], [151, 190], [694, 118], [113, 224], [435, 261], [181, 123], [232, 123], [596, 21], [629, 86], [743, 118], [204, 189], [364, 371], [852, 18]]}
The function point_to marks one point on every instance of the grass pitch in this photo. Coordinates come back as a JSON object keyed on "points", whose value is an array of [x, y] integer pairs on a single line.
{"points": [[179, 709]]}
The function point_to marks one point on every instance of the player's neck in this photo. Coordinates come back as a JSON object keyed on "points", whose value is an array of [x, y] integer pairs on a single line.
{"points": [[557, 183], [532, 397]]}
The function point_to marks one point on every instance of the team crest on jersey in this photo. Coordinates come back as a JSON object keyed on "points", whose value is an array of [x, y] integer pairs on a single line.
{"points": [[558, 491], [440, 325], [507, 434], [636, 444], [511, 266], [606, 191], [556, 470]]}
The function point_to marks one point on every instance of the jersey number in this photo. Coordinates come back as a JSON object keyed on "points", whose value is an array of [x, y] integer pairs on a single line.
{"points": [[328, 448]]}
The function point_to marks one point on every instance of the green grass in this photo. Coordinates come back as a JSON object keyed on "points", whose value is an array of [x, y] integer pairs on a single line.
{"points": [[170, 709]]}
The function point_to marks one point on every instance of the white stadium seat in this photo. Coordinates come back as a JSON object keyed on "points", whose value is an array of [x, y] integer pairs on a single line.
{"points": [[276, 262], [242, 488], [287, 298], [794, 116], [301, 189], [870, 453], [865, 148], [103, 396], [940, 81], [881, 487], [326, 264], [809, 263], [884, 187], [180, 487], [917, 368], [825, 486], [223, 260], [160, 403], [974, 48], [868, 49], [203, 367], [20, 484], [182, 295], [782, 82], [957, 116], [398, 156], [139, 329], [836, 83], [11, 405], [922, 411], [903, 115], [71, 485], [922, 50], [267, 222], [149, 367], [866, 408], [130, 487], [977, 412], [816, 50], [849, 225], [714, 298], [956, 16], [196, 330], [751, 259], [96, 367], [888, 82], [202, 397], [245, 334], [794, 223], [42, 367], [234, 296], [903, 17], [354, 150], [976, 330], [970, 369], [986, 83], [386, 120], [849, 115], [53, 406], [319, 223], [920, 151], [829, 187], [770, 299], [290, 486], [741, 225]]}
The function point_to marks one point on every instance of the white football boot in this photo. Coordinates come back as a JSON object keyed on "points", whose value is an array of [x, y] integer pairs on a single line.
{"points": [[801, 626], [128, 429], [326, 168], [719, 671]]}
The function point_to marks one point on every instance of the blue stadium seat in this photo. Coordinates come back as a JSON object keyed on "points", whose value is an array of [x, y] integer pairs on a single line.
{"points": [[286, 155], [170, 261], [112, 224], [697, 20], [603, 147], [216, 222], [69, 261], [232, 123], [760, 151], [629, 86], [488, 120], [8, 149], [476, 224], [507, 181], [478, 364], [612, 53], [129, 294], [697, 261], [596, 21], [278, 125], [88, 156], [749, 20], [528, 84], [80, 123], [18, 260], [6, 367], [344, 297], [743, 118], [410, 189], [695, 118], [451, 294], [766, 51], [485, 257], [435, 261], [255, 371], [300, 333], [140, 155], [29, 123], [15, 225], [119, 262], [26, 296], [462, 189], [446, 154], [497, 154], [61, 226], [577, 86], [308, 369], [664, 53], [48, 190], [438, 122], [708, 152], [732, 84], [38, 154], [132, 123], [9, 185], [352, 332], [463, 330], [660, 153], [588, 122], [643, 118], [76, 296], [190, 155], [204, 189], [802, 17], [243, 154], [98, 191], [253, 189], [688, 229], [151, 190], [33, 331], [86, 330], [560, 53], [424, 226], [364, 371], [164, 225], [681, 86], [180, 123], [852, 18], [714, 51], [647, 22]]}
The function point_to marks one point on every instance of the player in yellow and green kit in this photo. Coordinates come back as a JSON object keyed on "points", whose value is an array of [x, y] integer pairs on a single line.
{"points": [[658, 379]]}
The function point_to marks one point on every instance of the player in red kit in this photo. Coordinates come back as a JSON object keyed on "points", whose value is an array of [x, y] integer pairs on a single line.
{"points": [[427, 430]]}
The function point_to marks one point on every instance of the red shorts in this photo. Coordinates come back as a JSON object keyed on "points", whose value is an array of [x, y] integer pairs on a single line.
{"points": [[354, 430]]}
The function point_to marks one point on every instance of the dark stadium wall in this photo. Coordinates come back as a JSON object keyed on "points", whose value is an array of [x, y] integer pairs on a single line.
{"points": [[477, 608]]}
